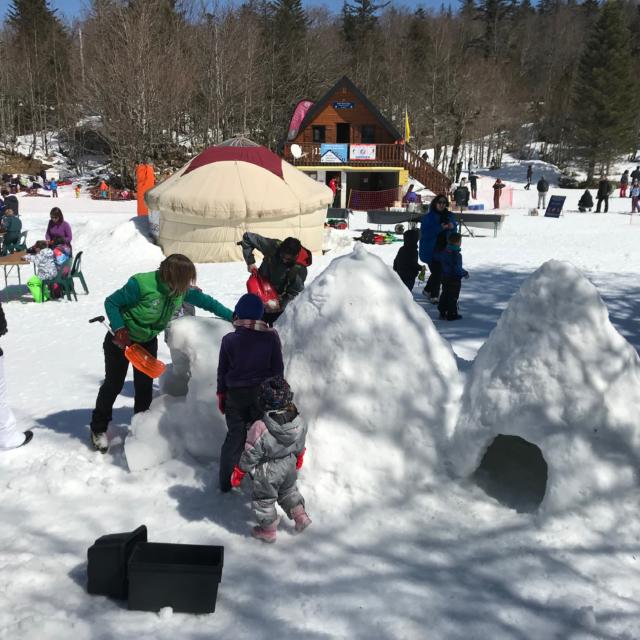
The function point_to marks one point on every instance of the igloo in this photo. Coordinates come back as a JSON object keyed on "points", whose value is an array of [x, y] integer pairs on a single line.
{"points": [[551, 407], [377, 383]]}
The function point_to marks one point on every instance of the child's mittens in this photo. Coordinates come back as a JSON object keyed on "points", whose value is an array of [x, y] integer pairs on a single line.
{"points": [[221, 402], [300, 459], [236, 476]]}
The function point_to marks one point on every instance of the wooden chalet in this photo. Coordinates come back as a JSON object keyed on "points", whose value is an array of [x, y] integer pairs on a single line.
{"points": [[343, 135]]}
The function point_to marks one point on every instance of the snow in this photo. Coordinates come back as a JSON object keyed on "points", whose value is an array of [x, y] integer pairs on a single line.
{"points": [[432, 557]]}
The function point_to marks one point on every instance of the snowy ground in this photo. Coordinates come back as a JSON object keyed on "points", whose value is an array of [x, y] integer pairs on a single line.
{"points": [[436, 559]]}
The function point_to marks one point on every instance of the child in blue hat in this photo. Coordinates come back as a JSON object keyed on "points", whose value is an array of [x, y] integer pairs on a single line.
{"points": [[248, 356]]}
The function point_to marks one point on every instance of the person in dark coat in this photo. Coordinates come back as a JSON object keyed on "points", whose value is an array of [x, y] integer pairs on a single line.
{"points": [[635, 174], [10, 202], [604, 191], [498, 186], [586, 202], [543, 189], [406, 262], [461, 194], [248, 356], [435, 227], [529, 177], [452, 274], [459, 170], [624, 183], [284, 265], [473, 182]]}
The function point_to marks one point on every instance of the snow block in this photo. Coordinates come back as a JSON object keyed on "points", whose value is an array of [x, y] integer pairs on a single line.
{"points": [[185, 418], [375, 381], [556, 373], [184, 577]]}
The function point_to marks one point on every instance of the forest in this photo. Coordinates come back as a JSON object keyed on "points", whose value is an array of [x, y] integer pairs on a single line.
{"points": [[162, 79]]}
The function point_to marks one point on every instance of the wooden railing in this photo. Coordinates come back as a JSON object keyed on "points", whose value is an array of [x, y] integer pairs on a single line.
{"points": [[387, 155]]}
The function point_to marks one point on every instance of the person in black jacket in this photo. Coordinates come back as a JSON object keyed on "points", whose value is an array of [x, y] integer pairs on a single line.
{"points": [[461, 194], [543, 189], [10, 436], [586, 202], [406, 262], [529, 177], [604, 191], [10, 202], [284, 265]]}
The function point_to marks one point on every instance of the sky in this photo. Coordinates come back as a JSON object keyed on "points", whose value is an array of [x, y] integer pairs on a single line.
{"points": [[71, 8]]}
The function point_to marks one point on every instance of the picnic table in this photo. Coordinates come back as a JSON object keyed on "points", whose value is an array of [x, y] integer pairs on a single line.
{"points": [[11, 262]]}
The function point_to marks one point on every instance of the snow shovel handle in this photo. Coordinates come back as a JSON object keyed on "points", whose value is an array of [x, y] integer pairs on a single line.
{"points": [[101, 320]]}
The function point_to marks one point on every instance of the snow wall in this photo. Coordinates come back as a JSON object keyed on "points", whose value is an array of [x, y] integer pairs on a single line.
{"points": [[556, 373]]}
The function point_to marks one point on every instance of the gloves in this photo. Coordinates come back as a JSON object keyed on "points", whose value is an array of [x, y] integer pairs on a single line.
{"points": [[221, 402], [252, 268], [300, 459], [121, 338], [236, 476]]}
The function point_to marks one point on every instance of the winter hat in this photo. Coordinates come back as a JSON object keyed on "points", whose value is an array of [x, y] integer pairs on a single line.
{"points": [[249, 307], [275, 393]]}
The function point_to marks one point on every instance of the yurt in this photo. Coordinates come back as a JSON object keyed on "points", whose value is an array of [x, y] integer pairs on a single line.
{"points": [[231, 188]]}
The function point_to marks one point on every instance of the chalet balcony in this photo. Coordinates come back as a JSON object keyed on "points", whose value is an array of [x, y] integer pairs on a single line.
{"points": [[386, 155]]}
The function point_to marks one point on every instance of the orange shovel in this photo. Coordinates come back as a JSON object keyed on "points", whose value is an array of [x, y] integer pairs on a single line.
{"points": [[138, 356]]}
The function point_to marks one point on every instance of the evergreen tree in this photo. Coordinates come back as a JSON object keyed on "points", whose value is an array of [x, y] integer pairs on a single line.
{"points": [[359, 18], [494, 16], [590, 7], [605, 91]]}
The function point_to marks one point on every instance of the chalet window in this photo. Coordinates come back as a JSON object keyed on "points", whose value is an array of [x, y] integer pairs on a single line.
{"points": [[319, 132], [368, 134]]}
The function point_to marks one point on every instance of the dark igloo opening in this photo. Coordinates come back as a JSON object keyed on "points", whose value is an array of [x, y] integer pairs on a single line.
{"points": [[514, 472]]}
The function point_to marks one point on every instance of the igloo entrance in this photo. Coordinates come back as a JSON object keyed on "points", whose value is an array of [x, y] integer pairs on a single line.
{"points": [[514, 472]]}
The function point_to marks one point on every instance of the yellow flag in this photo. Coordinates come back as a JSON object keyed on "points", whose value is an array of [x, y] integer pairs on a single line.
{"points": [[407, 128]]}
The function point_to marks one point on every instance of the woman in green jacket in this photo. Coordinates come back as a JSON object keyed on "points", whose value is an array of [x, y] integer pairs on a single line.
{"points": [[138, 313]]}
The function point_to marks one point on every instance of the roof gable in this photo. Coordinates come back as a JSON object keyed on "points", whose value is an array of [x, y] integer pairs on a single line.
{"points": [[348, 84]]}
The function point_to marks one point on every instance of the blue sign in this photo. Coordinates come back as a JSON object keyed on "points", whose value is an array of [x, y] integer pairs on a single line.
{"points": [[334, 153], [343, 105], [554, 208]]}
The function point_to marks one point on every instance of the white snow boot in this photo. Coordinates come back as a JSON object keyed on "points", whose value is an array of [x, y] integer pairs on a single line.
{"points": [[266, 532], [300, 517], [100, 442]]}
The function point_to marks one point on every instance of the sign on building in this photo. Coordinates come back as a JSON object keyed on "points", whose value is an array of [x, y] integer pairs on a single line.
{"points": [[334, 153], [343, 105], [362, 152]]}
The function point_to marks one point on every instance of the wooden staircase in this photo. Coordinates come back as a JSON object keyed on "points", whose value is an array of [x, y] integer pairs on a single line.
{"points": [[425, 173]]}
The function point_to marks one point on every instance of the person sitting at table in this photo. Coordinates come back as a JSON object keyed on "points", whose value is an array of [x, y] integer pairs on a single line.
{"points": [[12, 227], [58, 227], [45, 265]]}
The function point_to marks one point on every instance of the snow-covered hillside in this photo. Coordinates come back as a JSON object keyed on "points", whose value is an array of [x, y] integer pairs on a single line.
{"points": [[435, 557]]}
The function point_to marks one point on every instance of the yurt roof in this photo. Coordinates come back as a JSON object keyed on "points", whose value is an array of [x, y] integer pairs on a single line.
{"points": [[237, 181]]}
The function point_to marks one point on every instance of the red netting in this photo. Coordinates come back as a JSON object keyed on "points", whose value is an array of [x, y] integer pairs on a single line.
{"points": [[370, 200]]}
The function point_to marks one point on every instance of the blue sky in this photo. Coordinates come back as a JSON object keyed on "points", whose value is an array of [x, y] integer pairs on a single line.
{"points": [[72, 8]]}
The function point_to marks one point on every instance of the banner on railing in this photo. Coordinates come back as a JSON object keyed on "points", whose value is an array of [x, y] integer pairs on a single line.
{"points": [[362, 152], [334, 153]]}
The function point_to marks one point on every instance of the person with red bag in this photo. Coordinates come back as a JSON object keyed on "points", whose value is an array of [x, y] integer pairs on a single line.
{"points": [[273, 455], [284, 266], [248, 356]]}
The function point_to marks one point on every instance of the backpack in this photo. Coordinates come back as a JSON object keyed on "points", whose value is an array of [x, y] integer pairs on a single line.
{"points": [[368, 236]]}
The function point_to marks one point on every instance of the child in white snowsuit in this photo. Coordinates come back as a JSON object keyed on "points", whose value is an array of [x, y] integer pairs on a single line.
{"points": [[45, 264], [273, 453]]}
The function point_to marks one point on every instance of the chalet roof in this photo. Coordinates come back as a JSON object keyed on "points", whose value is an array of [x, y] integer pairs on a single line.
{"points": [[348, 84]]}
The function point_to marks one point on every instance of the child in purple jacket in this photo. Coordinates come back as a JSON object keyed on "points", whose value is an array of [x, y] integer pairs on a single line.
{"points": [[248, 356]]}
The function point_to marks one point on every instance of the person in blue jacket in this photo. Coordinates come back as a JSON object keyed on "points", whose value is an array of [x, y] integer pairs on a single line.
{"points": [[452, 274], [138, 312], [435, 227]]}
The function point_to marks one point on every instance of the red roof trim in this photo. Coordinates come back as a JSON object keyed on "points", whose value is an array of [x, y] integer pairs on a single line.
{"points": [[260, 156]]}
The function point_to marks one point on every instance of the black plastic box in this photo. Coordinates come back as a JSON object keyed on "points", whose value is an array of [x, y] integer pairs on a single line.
{"points": [[182, 576], [107, 562]]}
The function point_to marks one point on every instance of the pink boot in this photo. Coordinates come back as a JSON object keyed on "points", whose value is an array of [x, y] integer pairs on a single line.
{"points": [[266, 532], [300, 517]]}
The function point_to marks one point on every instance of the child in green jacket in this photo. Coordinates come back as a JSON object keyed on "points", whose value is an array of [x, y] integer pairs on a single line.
{"points": [[138, 312]]}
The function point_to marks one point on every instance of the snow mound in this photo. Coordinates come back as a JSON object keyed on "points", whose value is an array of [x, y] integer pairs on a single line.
{"points": [[185, 418], [336, 239], [557, 374], [376, 383]]}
